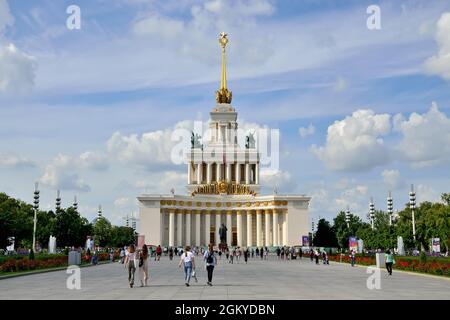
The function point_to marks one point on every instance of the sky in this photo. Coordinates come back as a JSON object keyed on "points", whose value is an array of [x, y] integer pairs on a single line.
{"points": [[91, 111]]}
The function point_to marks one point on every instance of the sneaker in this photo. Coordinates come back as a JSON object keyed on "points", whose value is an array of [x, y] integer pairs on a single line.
{"points": [[210, 284], [187, 284]]}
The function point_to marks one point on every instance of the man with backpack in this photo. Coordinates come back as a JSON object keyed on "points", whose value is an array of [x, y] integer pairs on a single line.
{"points": [[211, 261]]}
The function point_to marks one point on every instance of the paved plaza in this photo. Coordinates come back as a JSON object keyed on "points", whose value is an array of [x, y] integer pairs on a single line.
{"points": [[272, 279]]}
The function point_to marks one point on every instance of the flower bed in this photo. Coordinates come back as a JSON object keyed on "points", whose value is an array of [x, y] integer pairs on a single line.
{"points": [[435, 266], [25, 264]]}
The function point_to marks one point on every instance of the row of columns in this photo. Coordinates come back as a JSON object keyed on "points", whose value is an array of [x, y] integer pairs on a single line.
{"points": [[199, 173], [271, 234]]}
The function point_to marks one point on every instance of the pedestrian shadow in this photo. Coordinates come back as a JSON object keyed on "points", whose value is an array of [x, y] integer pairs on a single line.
{"points": [[197, 285]]}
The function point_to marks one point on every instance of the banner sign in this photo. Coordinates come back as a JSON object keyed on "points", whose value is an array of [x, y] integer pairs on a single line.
{"points": [[436, 245], [353, 244], [305, 241]]}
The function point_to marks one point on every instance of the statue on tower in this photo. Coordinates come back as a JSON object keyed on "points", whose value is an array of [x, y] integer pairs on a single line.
{"points": [[195, 141], [223, 95], [250, 141]]}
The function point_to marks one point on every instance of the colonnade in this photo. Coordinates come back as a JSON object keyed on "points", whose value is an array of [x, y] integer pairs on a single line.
{"points": [[194, 227], [223, 171]]}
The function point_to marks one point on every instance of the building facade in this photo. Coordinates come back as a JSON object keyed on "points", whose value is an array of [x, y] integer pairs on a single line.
{"points": [[223, 189]]}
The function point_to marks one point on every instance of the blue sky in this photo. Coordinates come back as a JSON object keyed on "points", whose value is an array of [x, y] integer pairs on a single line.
{"points": [[91, 111]]}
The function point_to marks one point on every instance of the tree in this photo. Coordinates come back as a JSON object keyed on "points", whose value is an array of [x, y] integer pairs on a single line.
{"points": [[102, 232], [446, 198], [16, 220], [45, 227], [70, 228], [122, 236], [325, 235], [342, 231]]}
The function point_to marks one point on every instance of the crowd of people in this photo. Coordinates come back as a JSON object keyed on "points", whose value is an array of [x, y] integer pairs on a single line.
{"points": [[137, 259]]}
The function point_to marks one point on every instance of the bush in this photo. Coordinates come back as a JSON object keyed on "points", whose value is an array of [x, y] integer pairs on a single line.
{"points": [[423, 257], [31, 256]]}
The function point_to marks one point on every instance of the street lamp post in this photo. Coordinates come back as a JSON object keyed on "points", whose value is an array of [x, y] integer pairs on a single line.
{"points": [[372, 212], [412, 206], [75, 203], [312, 231], [347, 217], [390, 207], [58, 201], [36, 207]]}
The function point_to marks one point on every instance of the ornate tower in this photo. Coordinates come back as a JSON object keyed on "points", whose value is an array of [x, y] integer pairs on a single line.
{"points": [[223, 161]]}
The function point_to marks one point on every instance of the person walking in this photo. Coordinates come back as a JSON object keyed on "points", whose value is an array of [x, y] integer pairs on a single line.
{"points": [[220, 254], [278, 253], [353, 258], [266, 254], [300, 253], [316, 255], [122, 256], [257, 251], [143, 265], [188, 261], [210, 260], [130, 264], [311, 255], [158, 253], [227, 254], [246, 253], [389, 260], [171, 253]]}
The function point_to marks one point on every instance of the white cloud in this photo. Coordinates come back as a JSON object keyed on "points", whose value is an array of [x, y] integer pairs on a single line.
{"points": [[304, 132], [122, 202], [355, 143], [426, 138], [439, 64], [6, 19], [352, 198], [157, 25], [17, 70], [62, 173], [426, 193], [281, 180], [151, 148], [392, 179], [340, 85], [163, 182], [15, 161], [56, 178]]}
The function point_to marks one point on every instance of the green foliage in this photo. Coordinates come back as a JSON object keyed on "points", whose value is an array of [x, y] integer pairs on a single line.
{"points": [[122, 236], [342, 231], [31, 255], [423, 257], [325, 235], [16, 220], [102, 232], [446, 198], [432, 221], [71, 229]]}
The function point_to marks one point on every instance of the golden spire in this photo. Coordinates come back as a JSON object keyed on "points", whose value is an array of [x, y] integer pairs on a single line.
{"points": [[223, 95]]}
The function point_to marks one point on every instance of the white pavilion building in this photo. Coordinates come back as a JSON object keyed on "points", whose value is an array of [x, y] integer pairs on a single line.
{"points": [[223, 188]]}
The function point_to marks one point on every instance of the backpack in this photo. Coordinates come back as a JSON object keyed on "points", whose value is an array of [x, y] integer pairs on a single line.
{"points": [[209, 258]]}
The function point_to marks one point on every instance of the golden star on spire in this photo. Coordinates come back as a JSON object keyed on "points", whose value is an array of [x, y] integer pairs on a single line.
{"points": [[223, 95]]}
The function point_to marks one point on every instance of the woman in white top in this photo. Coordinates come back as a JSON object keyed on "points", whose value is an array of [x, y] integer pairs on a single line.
{"points": [[187, 259], [130, 263]]}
